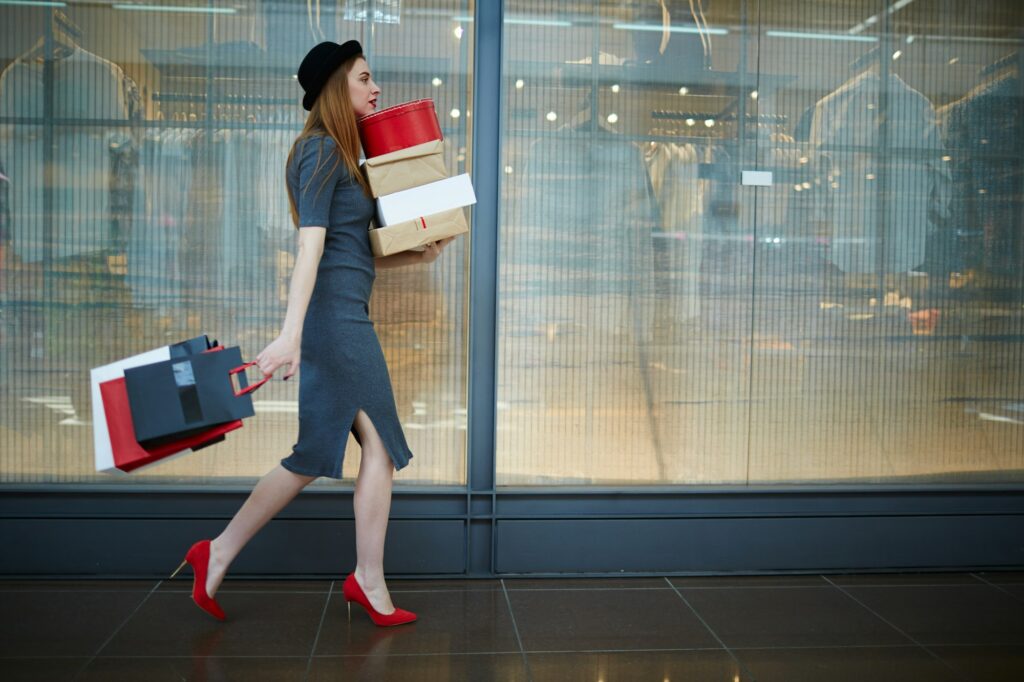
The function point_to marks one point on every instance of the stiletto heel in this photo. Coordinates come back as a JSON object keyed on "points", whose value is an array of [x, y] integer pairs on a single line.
{"points": [[198, 557], [177, 570], [353, 592]]}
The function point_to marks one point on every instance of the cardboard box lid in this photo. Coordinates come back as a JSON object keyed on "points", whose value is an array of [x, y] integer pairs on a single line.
{"points": [[425, 149]]}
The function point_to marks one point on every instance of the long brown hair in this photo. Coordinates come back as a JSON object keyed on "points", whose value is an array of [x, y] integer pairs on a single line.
{"points": [[332, 114]]}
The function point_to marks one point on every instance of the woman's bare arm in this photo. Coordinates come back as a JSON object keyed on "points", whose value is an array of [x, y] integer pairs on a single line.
{"points": [[284, 350]]}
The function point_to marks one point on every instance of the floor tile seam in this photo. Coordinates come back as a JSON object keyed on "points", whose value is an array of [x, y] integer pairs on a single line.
{"points": [[979, 578], [908, 585], [230, 592], [670, 650], [1001, 588], [118, 629], [497, 589], [752, 587], [190, 656], [747, 672], [415, 654], [319, 629], [105, 591], [900, 631], [588, 589], [515, 629], [811, 647]]}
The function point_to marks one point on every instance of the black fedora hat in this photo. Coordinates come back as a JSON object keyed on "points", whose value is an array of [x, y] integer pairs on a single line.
{"points": [[318, 65]]}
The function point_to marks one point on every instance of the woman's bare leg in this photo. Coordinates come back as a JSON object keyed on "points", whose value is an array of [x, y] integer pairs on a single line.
{"points": [[275, 490], [372, 504]]}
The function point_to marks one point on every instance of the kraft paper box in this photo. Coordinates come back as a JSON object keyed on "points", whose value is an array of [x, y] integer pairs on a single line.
{"points": [[406, 168], [413, 234], [425, 200]]}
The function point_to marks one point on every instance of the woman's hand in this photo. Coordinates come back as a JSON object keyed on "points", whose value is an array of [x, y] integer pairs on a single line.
{"points": [[282, 351], [434, 249]]}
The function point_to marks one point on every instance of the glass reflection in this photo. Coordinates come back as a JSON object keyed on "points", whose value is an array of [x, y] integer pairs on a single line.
{"points": [[142, 202], [854, 316]]}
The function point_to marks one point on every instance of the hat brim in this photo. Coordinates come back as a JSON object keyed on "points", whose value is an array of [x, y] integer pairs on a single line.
{"points": [[334, 60]]}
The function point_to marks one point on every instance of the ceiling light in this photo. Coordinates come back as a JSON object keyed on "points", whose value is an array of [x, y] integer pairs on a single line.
{"points": [[822, 36], [551, 116], [33, 3], [177, 8], [674, 29], [527, 21]]}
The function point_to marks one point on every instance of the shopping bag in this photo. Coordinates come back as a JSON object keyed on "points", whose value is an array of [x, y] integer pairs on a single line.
{"points": [[102, 451], [128, 454], [183, 396]]}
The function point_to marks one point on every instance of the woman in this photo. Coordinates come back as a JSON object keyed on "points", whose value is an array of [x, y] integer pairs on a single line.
{"points": [[345, 384]]}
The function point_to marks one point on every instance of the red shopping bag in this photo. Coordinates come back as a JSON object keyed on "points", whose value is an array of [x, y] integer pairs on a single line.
{"points": [[128, 454]]}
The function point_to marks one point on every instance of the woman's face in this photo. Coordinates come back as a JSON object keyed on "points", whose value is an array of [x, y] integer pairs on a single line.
{"points": [[362, 89]]}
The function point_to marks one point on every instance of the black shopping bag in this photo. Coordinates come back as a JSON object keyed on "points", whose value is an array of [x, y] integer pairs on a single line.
{"points": [[183, 396], [199, 344]]}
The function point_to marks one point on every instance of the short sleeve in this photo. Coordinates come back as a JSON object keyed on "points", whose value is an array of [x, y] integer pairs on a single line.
{"points": [[320, 170]]}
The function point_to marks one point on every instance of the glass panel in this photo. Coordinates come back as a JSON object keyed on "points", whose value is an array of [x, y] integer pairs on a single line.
{"points": [[625, 287], [888, 330], [143, 203], [857, 319]]}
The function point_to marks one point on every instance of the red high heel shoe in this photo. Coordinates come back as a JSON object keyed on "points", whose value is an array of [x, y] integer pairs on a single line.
{"points": [[198, 557], [354, 593]]}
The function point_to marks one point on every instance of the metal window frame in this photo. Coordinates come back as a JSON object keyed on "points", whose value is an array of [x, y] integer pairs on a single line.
{"points": [[481, 530]]}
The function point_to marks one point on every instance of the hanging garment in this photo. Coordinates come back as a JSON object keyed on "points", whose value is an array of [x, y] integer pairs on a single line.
{"points": [[983, 135], [673, 169], [588, 212], [917, 180], [5, 207], [85, 87], [157, 241]]}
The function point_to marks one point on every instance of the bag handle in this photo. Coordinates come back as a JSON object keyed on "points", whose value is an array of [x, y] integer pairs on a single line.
{"points": [[251, 388]]}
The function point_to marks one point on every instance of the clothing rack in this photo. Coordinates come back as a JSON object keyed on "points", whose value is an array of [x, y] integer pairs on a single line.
{"points": [[221, 99], [760, 118], [666, 114]]}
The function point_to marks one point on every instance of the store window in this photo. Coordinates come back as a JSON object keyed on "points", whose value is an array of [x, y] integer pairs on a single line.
{"points": [[849, 311], [142, 199]]}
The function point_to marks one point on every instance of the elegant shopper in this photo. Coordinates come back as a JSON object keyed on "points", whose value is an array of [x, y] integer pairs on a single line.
{"points": [[345, 384]]}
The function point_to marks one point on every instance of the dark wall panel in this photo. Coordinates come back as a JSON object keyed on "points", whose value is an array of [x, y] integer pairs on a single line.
{"points": [[722, 545], [135, 547]]}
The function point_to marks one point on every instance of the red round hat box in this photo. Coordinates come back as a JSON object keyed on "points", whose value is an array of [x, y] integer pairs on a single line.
{"points": [[399, 127]]}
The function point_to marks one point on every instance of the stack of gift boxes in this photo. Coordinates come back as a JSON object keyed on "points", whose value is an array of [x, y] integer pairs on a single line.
{"points": [[417, 201]]}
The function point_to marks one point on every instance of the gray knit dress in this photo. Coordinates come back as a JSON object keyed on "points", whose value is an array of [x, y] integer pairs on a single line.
{"points": [[342, 365]]}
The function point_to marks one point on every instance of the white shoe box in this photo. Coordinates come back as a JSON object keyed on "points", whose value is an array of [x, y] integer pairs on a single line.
{"points": [[425, 200]]}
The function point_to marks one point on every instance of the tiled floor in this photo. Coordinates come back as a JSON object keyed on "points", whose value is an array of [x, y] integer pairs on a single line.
{"points": [[838, 628]]}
